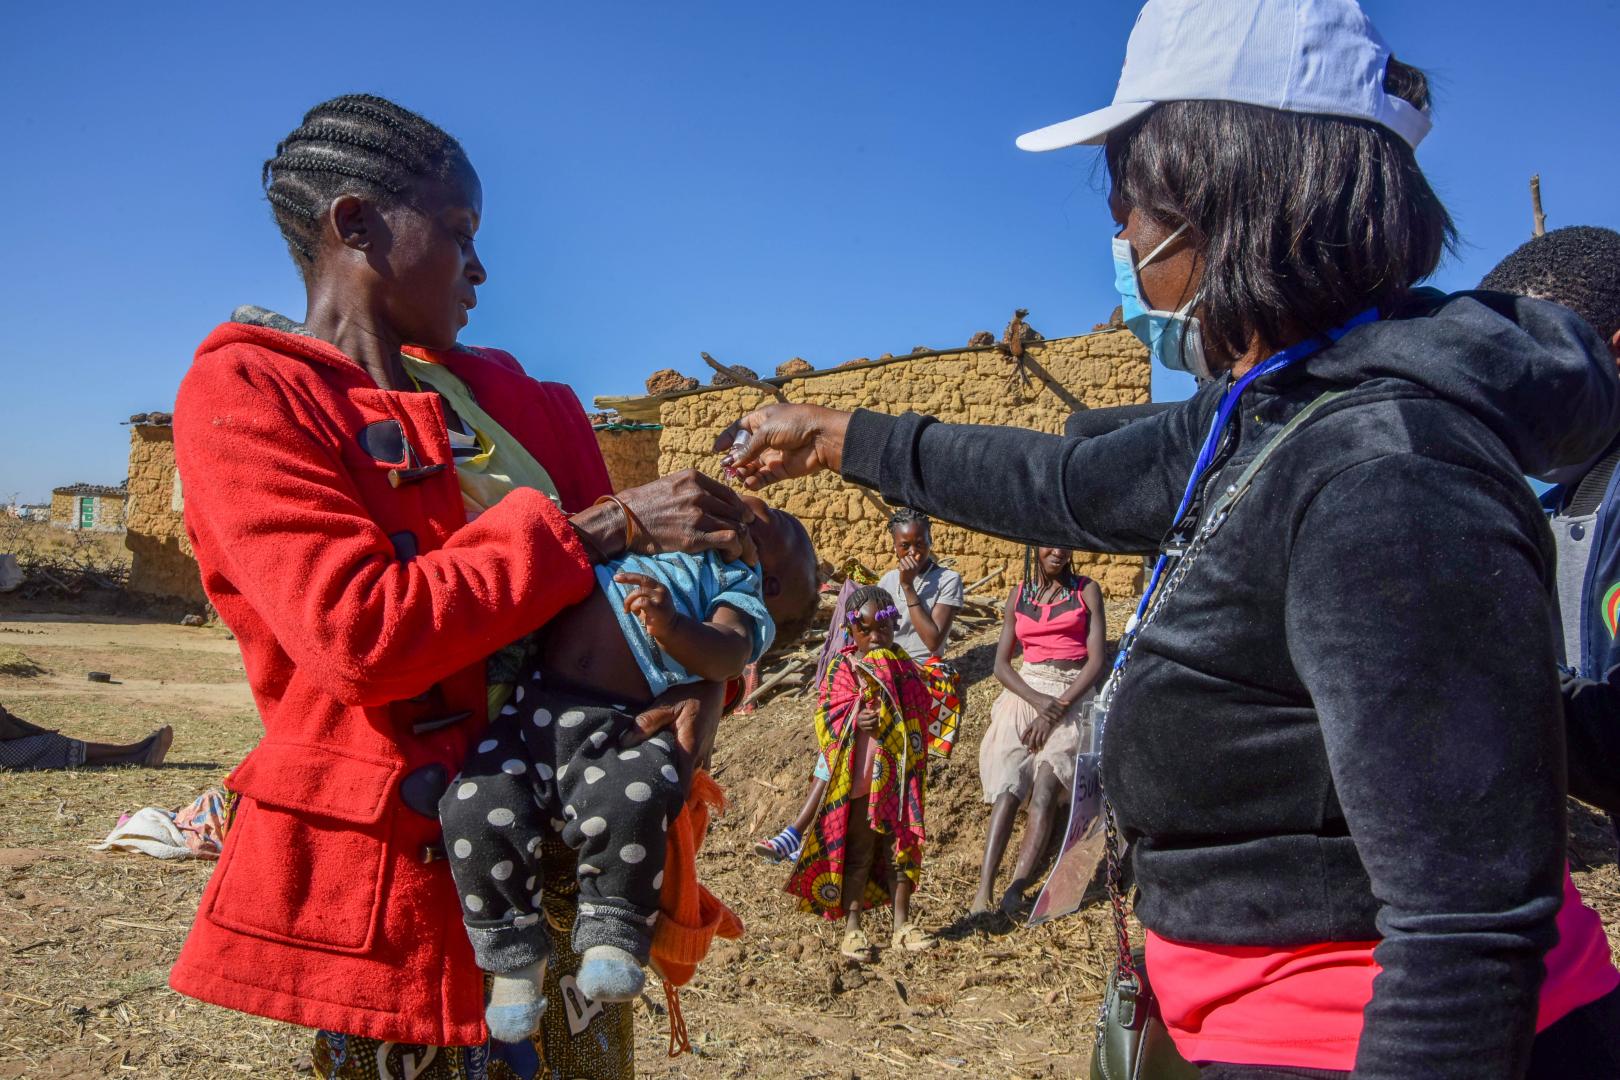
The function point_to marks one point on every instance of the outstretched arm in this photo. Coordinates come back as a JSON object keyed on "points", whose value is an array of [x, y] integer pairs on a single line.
{"points": [[1116, 492]]}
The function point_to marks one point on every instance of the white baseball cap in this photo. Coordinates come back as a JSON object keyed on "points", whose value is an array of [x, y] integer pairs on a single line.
{"points": [[1305, 56]]}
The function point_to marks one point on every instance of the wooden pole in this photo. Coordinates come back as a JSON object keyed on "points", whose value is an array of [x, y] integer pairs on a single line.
{"points": [[1540, 228], [757, 384]]}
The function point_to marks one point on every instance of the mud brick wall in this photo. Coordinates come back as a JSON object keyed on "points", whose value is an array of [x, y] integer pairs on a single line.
{"points": [[162, 563], [631, 455], [971, 386]]}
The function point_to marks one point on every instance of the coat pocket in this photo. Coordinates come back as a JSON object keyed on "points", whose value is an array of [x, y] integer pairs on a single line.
{"points": [[304, 862]]}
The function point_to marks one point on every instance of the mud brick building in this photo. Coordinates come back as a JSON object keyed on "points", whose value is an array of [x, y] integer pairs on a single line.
{"points": [[162, 563], [92, 507], [630, 450], [974, 385]]}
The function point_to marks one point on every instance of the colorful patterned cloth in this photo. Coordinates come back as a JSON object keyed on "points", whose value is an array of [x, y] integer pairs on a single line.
{"points": [[893, 684], [944, 685]]}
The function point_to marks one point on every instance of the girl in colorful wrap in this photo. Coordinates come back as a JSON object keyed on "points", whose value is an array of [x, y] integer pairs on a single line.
{"points": [[866, 843], [329, 486]]}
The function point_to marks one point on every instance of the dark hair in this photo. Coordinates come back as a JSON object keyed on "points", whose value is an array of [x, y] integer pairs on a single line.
{"points": [[906, 516], [869, 594], [1030, 588], [1303, 220], [1578, 267], [357, 144]]}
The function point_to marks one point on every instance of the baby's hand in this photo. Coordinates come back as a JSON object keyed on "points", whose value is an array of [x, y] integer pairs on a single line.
{"points": [[650, 602]]}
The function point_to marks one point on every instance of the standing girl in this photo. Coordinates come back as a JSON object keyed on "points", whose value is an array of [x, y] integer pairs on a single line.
{"points": [[1027, 757], [866, 843]]}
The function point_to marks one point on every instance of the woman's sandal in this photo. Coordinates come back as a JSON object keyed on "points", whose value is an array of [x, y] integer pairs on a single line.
{"points": [[855, 946], [913, 938]]}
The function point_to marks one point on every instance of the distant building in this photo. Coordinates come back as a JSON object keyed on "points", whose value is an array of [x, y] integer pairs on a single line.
{"points": [[162, 563], [92, 507]]}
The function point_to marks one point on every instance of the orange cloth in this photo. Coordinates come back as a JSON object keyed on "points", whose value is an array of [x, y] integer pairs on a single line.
{"points": [[690, 917]]}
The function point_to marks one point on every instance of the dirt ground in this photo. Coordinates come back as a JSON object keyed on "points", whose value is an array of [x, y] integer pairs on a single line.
{"points": [[86, 939]]}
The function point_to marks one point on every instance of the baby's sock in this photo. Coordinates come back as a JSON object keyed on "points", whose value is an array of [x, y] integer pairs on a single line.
{"points": [[608, 973], [516, 1003]]}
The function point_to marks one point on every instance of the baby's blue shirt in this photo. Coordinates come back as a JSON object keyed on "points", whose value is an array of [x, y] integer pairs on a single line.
{"points": [[697, 584]]}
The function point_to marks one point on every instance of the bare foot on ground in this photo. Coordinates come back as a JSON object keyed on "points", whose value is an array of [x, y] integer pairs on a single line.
{"points": [[158, 744]]}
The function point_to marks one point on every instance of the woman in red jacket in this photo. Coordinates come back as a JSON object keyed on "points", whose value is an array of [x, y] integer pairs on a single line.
{"points": [[337, 507]]}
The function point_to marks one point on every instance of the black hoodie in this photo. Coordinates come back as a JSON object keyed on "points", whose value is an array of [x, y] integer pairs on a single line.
{"points": [[1345, 724]]}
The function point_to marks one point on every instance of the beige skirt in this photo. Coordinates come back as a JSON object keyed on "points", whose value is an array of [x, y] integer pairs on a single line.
{"points": [[1006, 767]]}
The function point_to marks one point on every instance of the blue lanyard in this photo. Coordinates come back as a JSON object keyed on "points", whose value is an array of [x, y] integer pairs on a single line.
{"points": [[1212, 441]]}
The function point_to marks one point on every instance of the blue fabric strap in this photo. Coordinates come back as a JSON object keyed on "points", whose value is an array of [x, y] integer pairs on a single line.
{"points": [[1212, 441]]}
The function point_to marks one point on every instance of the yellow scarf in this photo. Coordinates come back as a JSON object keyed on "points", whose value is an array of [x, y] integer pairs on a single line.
{"points": [[502, 462]]}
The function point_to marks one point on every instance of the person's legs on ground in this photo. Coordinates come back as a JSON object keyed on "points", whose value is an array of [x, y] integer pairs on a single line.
{"points": [[492, 830], [787, 844], [860, 850], [1045, 804], [149, 752], [1006, 774], [616, 808], [907, 934], [1003, 815]]}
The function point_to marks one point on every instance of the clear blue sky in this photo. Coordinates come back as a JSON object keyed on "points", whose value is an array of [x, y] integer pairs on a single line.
{"points": [[755, 180]]}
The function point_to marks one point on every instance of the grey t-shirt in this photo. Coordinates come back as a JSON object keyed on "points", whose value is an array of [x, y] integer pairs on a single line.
{"points": [[934, 586], [1572, 537]]}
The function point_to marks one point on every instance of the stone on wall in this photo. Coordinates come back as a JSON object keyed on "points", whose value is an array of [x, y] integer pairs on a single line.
{"points": [[967, 387], [796, 366], [669, 381]]}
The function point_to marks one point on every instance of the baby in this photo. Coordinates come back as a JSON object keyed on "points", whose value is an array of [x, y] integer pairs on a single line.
{"points": [[553, 759]]}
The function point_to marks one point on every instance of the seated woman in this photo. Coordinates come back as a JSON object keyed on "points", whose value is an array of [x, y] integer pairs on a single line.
{"points": [[927, 594], [1056, 617]]}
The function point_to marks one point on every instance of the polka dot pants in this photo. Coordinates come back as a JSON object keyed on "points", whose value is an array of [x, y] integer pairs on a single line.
{"points": [[552, 761]]}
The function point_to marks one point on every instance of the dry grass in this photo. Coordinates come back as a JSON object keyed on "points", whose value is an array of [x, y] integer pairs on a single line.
{"points": [[33, 541], [86, 939]]}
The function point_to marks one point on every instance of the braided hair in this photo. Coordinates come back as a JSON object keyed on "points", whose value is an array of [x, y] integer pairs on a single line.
{"points": [[906, 516], [1030, 590], [357, 144], [868, 594]]}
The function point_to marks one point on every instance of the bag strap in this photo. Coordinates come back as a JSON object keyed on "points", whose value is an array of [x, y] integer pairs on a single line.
{"points": [[1125, 964]]}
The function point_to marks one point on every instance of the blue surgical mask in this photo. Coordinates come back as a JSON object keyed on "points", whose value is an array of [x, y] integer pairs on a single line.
{"points": [[1172, 337]]}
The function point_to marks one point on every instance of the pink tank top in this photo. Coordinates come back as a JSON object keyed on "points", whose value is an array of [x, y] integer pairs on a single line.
{"points": [[1055, 631]]}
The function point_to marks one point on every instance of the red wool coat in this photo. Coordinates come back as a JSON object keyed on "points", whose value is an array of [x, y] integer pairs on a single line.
{"points": [[364, 613]]}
